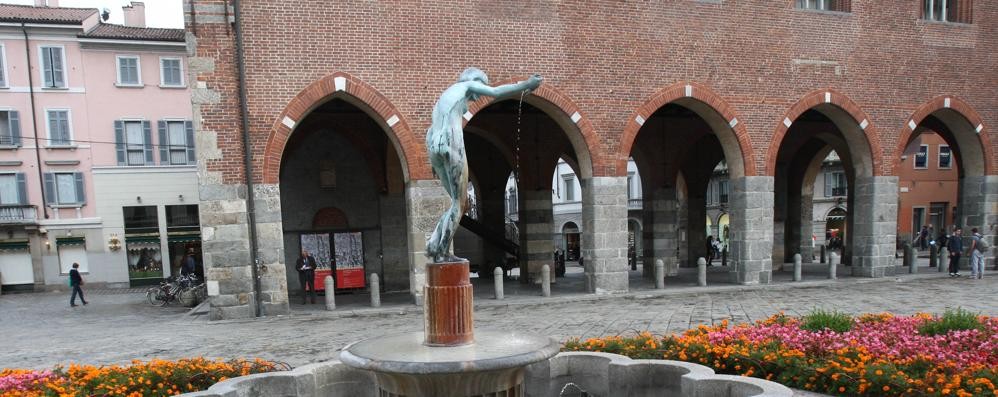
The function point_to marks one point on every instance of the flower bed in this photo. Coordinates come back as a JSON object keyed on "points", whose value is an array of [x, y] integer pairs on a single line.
{"points": [[152, 378], [879, 355]]}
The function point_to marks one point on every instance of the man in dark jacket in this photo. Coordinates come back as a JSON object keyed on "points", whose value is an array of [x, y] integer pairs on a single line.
{"points": [[188, 265], [955, 246], [306, 274], [75, 281]]}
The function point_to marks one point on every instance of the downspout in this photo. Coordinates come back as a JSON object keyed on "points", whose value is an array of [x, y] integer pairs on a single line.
{"points": [[247, 159], [34, 119]]}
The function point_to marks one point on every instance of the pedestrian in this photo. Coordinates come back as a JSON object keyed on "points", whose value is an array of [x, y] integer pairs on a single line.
{"points": [[306, 274], [188, 264], [955, 246], [76, 281], [977, 248], [923, 238], [710, 250]]}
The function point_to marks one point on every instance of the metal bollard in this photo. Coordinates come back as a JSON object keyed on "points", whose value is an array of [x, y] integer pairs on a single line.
{"points": [[933, 255], [724, 257], [375, 290], [823, 253], [659, 274], [546, 280], [498, 276], [905, 254], [833, 266], [943, 260], [702, 272], [797, 267], [912, 259], [330, 292]]}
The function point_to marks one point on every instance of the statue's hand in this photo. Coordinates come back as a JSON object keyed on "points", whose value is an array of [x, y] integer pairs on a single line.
{"points": [[534, 81]]}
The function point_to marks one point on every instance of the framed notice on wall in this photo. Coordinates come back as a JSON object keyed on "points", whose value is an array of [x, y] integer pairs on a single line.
{"points": [[317, 244], [349, 251]]}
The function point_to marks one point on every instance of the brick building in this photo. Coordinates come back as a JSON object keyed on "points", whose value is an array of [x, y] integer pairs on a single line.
{"points": [[338, 96]]}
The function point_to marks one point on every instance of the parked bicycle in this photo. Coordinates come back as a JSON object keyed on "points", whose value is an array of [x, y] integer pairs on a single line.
{"points": [[174, 289]]}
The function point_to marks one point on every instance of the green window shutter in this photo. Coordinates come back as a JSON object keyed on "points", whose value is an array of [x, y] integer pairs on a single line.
{"points": [[164, 143], [80, 190], [191, 156], [15, 128], [49, 188], [119, 141], [147, 135], [22, 188]]}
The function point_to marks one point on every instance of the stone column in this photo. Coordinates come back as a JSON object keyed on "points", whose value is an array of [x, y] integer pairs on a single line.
{"points": [[394, 252], [751, 229], [536, 246], [979, 203], [604, 240], [663, 225], [426, 200], [874, 226], [807, 251]]}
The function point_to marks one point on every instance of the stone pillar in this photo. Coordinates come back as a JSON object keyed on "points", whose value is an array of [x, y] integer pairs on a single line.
{"points": [[227, 260], [874, 226], [807, 228], [604, 240], [426, 200], [394, 252], [536, 246], [752, 229], [979, 202], [664, 226]]}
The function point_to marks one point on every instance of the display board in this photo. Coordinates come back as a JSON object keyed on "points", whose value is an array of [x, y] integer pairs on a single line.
{"points": [[349, 251], [317, 244]]}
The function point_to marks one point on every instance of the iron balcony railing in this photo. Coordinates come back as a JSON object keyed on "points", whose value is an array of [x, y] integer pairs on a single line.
{"points": [[17, 213]]}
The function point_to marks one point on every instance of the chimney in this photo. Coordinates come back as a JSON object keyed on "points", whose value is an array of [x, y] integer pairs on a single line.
{"points": [[46, 3], [135, 14]]}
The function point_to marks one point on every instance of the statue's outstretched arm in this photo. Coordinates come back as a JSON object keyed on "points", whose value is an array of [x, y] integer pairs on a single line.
{"points": [[529, 84]]}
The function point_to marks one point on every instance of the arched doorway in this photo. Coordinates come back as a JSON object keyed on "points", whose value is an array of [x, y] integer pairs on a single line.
{"points": [[573, 244], [836, 231]]}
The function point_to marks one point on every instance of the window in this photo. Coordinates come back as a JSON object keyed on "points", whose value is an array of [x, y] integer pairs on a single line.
{"points": [[133, 139], [569, 187], [10, 128], [722, 190], [64, 188], [3, 66], [129, 71], [922, 157], [176, 143], [13, 189], [825, 5], [171, 72], [630, 185], [53, 69], [947, 10], [945, 157], [835, 184], [58, 127]]}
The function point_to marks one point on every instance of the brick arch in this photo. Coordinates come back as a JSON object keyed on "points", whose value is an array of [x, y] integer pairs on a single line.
{"points": [[679, 92], [360, 94], [596, 164], [841, 101], [957, 105]]}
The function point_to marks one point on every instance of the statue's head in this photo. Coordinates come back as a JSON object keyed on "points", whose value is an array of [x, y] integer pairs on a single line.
{"points": [[471, 74]]}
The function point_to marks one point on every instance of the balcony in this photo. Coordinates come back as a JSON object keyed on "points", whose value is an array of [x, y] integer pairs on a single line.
{"points": [[838, 191], [17, 213], [634, 203]]}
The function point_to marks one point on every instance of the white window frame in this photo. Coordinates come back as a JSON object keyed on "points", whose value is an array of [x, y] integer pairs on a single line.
{"points": [[914, 159], [18, 197], [8, 110], [170, 145], [930, 6], [69, 124], [818, 5], [5, 83], [55, 194], [41, 66], [939, 157], [138, 70], [569, 180], [124, 127], [162, 81]]}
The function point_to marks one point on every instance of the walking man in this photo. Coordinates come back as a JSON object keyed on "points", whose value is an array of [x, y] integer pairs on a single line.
{"points": [[976, 255], [306, 274], [75, 281], [955, 246]]}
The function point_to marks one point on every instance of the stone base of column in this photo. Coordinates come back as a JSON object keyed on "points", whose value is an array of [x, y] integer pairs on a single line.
{"points": [[447, 315], [751, 230], [875, 226]]}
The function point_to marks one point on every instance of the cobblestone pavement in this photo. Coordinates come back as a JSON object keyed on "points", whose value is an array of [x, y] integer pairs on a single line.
{"points": [[41, 330]]}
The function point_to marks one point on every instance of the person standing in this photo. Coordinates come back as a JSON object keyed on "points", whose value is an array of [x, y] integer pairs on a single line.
{"points": [[76, 281], [955, 246], [188, 264], [923, 238], [976, 255], [306, 274]]}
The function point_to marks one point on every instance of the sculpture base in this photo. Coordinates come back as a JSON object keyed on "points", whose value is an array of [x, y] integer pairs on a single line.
{"points": [[493, 366], [447, 310]]}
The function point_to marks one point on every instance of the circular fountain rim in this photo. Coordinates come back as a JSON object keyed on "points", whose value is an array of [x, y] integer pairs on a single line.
{"points": [[405, 353]]}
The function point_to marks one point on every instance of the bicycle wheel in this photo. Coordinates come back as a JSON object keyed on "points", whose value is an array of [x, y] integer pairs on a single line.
{"points": [[156, 297]]}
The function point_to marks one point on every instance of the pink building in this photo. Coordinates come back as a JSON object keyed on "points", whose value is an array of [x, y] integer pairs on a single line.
{"points": [[97, 162]]}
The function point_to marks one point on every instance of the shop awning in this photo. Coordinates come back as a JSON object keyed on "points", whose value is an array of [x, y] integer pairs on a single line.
{"points": [[13, 245], [835, 217], [142, 239], [70, 241]]}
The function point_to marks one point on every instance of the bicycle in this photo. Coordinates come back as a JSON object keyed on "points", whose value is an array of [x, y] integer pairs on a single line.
{"points": [[170, 290]]}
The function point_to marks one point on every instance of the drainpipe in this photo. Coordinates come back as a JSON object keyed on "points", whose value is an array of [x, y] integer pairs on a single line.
{"points": [[247, 159], [34, 119]]}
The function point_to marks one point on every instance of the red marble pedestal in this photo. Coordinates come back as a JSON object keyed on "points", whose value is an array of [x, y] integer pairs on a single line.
{"points": [[447, 310]]}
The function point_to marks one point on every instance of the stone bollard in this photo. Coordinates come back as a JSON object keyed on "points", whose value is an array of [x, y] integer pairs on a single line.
{"points": [[546, 280], [909, 252], [822, 253], [330, 293], [906, 252], [498, 276], [833, 266], [659, 274], [943, 260], [702, 272], [933, 255], [833, 259], [797, 267], [375, 290], [724, 257]]}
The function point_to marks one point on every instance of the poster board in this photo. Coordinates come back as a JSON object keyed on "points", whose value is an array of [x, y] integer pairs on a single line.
{"points": [[349, 250], [317, 244]]}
